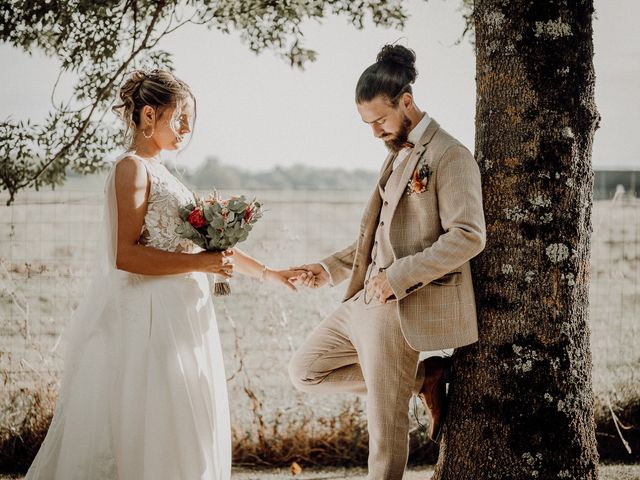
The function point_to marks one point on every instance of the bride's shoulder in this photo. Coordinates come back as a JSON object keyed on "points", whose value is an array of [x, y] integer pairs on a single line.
{"points": [[128, 156], [129, 164], [130, 171]]}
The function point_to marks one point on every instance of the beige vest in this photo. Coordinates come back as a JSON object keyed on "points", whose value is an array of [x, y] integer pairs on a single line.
{"points": [[382, 252]]}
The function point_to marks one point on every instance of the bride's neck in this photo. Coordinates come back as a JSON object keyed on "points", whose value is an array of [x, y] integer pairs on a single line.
{"points": [[145, 149]]}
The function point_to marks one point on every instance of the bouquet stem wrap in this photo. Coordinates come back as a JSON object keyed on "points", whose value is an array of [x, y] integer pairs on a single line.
{"points": [[221, 286]]}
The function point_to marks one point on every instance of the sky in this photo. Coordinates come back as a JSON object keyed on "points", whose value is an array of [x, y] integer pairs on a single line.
{"points": [[255, 111]]}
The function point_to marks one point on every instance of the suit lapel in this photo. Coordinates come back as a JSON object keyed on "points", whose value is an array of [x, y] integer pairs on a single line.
{"points": [[386, 169], [418, 150]]}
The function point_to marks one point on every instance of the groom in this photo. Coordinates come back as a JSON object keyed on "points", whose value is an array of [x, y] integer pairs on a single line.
{"points": [[410, 287]]}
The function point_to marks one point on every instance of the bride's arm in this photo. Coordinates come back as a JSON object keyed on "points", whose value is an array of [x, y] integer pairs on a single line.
{"points": [[249, 266], [132, 192]]}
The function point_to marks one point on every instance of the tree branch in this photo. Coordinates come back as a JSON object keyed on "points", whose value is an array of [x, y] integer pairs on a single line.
{"points": [[101, 92]]}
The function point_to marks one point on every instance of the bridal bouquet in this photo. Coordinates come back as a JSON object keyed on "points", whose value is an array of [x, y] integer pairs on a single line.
{"points": [[217, 225]]}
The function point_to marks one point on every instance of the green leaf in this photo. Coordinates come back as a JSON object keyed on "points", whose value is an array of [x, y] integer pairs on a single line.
{"points": [[217, 222], [208, 213]]}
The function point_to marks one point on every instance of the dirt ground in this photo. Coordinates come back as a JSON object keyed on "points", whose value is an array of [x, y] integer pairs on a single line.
{"points": [[607, 472]]}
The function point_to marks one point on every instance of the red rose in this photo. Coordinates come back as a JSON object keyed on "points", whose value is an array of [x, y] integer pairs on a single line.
{"points": [[196, 218], [247, 214]]}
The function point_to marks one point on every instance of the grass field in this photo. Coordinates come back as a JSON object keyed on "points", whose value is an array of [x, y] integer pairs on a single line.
{"points": [[48, 242]]}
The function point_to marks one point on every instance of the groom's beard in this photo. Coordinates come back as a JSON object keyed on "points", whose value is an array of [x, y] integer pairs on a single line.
{"points": [[399, 140]]}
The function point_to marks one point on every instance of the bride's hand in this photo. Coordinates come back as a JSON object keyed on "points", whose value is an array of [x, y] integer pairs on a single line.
{"points": [[282, 277], [220, 263]]}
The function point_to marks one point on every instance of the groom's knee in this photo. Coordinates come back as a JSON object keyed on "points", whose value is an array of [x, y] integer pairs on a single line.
{"points": [[299, 374]]}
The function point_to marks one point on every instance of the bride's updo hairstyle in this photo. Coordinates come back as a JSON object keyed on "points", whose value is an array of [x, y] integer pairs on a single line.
{"points": [[391, 75], [157, 88]]}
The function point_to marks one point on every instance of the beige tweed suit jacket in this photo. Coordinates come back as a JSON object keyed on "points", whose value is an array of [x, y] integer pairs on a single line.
{"points": [[433, 236]]}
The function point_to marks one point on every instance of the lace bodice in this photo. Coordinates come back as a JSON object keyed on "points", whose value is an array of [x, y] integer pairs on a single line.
{"points": [[166, 195]]}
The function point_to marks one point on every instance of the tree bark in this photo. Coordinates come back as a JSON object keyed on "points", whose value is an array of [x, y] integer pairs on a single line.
{"points": [[521, 398]]}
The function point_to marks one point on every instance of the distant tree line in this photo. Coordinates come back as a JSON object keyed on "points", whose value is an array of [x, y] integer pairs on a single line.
{"points": [[214, 173]]}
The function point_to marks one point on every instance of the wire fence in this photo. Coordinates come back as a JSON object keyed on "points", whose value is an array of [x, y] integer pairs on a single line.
{"points": [[49, 241]]}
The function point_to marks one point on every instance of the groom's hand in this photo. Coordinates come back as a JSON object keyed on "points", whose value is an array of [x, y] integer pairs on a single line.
{"points": [[313, 276], [379, 288]]}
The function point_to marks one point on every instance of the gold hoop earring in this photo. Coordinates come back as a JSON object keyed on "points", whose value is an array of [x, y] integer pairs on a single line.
{"points": [[150, 135]]}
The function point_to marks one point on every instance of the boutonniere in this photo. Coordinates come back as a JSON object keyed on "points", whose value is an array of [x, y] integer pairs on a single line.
{"points": [[420, 178]]}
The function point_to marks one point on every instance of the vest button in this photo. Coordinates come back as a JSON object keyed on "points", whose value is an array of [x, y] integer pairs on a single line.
{"points": [[382, 223], [386, 203]]}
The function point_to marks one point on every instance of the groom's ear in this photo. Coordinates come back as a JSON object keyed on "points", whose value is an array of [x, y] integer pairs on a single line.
{"points": [[406, 102]]}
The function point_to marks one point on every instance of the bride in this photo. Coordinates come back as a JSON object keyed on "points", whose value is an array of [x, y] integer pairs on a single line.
{"points": [[143, 392]]}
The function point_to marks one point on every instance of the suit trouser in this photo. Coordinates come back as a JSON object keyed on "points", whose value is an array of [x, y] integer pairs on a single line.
{"points": [[361, 349]]}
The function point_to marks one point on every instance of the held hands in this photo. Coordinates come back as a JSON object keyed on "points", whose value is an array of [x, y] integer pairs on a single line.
{"points": [[305, 275], [311, 275], [283, 277], [379, 289], [314, 276]]}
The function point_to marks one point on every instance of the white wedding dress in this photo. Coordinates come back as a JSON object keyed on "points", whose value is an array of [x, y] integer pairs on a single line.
{"points": [[143, 392]]}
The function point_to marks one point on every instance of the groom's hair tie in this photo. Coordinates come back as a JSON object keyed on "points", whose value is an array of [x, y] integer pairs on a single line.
{"points": [[391, 75]]}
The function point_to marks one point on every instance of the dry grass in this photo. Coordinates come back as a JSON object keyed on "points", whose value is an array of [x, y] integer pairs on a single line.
{"points": [[21, 437], [340, 440]]}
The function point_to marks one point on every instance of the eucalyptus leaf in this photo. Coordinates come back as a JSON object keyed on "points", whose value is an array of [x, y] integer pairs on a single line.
{"points": [[208, 214]]}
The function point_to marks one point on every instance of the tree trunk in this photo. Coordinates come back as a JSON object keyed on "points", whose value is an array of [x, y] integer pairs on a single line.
{"points": [[521, 398]]}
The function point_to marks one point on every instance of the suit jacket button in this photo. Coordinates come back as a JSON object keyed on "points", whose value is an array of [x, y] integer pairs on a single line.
{"points": [[419, 284], [408, 290]]}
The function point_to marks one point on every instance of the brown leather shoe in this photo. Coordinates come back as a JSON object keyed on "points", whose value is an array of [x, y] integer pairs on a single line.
{"points": [[434, 393]]}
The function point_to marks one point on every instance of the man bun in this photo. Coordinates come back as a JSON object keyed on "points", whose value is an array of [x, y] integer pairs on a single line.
{"points": [[391, 76], [401, 57]]}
